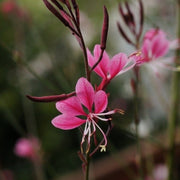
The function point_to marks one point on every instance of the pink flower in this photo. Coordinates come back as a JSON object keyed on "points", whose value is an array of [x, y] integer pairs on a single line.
{"points": [[109, 68], [150, 34], [73, 114], [10, 7], [27, 148], [155, 46]]}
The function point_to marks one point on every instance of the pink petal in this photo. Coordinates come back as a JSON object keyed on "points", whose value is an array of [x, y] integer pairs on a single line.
{"points": [[67, 122], [150, 34], [102, 67], [117, 63], [97, 50], [85, 92], [70, 106], [100, 101], [129, 65], [105, 59], [163, 50], [146, 48], [91, 59], [160, 46]]}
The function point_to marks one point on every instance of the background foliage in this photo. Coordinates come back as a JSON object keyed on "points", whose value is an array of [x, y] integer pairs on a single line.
{"points": [[38, 56]]}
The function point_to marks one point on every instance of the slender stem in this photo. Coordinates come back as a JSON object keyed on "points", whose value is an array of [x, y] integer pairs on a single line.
{"points": [[107, 133], [83, 46], [173, 115], [140, 160], [136, 96], [38, 170], [85, 57], [137, 120], [87, 166]]}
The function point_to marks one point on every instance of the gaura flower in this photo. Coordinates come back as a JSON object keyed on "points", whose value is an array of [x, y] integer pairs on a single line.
{"points": [[155, 46], [108, 68], [10, 7], [27, 148], [87, 107]]}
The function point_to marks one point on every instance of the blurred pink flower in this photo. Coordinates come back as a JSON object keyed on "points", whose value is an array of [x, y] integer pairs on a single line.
{"points": [[160, 172], [155, 47], [6, 174], [109, 68], [27, 148], [10, 7], [73, 114]]}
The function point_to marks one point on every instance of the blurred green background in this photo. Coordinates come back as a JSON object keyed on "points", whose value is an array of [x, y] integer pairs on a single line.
{"points": [[39, 56]]}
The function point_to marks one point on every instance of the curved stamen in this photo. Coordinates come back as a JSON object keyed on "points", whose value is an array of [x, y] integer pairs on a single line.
{"points": [[103, 147], [102, 119], [106, 113], [110, 112], [87, 132], [94, 128], [90, 128]]}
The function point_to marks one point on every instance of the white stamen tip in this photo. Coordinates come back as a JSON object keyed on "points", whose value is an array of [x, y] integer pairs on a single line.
{"points": [[103, 148]]}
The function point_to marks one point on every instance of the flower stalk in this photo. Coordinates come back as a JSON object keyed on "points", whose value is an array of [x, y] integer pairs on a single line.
{"points": [[87, 166], [175, 97], [135, 87], [129, 21]]}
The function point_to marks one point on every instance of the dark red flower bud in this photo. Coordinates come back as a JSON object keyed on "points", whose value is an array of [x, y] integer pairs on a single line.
{"points": [[57, 4], [141, 18], [130, 19], [76, 8], [124, 34], [58, 14], [104, 29], [52, 98]]}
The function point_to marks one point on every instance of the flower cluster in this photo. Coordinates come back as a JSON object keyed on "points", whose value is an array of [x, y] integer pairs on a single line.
{"points": [[88, 105]]}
